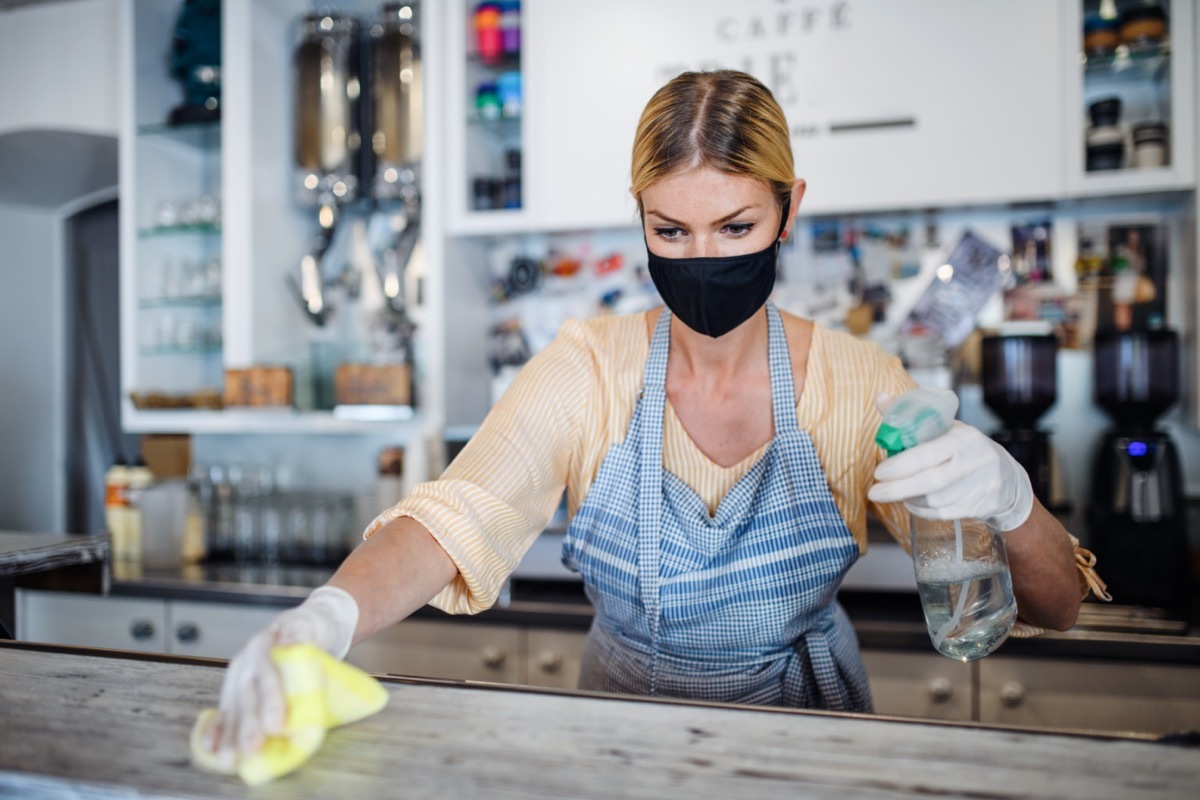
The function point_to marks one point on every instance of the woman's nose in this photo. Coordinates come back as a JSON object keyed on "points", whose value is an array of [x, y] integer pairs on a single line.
{"points": [[701, 247]]}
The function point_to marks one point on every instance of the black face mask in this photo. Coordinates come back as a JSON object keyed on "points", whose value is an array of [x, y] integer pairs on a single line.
{"points": [[714, 295]]}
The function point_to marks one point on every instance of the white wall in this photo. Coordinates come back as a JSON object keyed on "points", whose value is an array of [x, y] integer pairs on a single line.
{"points": [[58, 66]]}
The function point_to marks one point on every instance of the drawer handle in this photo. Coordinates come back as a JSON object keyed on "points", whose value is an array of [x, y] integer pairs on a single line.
{"points": [[1012, 694], [187, 632], [493, 657], [550, 662], [141, 630], [940, 690]]}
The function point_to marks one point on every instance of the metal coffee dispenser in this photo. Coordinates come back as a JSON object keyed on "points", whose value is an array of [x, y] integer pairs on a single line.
{"points": [[1137, 517]]}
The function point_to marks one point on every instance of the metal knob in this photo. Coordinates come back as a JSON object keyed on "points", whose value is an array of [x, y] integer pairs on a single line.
{"points": [[1012, 694], [493, 657], [187, 632], [550, 661], [940, 690], [141, 629]]}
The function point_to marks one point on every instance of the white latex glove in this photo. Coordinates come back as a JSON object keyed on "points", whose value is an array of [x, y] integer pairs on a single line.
{"points": [[961, 474], [252, 703]]}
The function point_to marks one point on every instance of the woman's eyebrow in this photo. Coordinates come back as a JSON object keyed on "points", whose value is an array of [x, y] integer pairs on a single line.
{"points": [[723, 219]]}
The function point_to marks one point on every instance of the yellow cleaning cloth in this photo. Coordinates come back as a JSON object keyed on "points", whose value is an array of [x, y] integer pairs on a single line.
{"points": [[321, 693]]}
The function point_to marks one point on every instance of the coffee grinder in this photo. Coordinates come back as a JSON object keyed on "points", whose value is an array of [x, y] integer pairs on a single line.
{"points": [[1020, 382], [1137, 516]]}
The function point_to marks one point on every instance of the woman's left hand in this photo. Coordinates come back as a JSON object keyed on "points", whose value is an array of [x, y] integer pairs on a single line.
{"points": [[960, 474]]}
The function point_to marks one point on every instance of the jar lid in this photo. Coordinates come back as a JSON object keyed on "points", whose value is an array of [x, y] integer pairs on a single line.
{"points": [[1146, 11], [1149, 132], [1105, 111]]}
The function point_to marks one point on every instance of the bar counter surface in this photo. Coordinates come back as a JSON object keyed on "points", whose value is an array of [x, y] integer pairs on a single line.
{"points": [[105, 724]]}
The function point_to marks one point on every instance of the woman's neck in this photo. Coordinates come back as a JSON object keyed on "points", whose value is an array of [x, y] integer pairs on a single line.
{"points": [[724, 358]]}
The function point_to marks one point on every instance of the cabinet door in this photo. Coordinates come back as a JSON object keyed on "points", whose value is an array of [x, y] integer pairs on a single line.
{"points": [[924, 685], [1092, 695], [552, 658], [461, 650], [892, 105], [213, 630], [120, 623]]}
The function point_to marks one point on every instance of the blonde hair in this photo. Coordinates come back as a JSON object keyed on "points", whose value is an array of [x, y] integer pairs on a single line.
{"points": [[726, 120]]}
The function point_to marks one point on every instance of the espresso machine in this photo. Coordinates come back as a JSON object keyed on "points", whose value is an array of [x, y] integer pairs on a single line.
{"points": [[1020, 382], [1137, 517]]}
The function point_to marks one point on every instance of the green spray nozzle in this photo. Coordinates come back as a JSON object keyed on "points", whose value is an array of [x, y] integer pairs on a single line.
{"points": [[914, 417]]}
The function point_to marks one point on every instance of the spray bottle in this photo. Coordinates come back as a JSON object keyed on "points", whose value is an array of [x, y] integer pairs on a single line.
{"points": [[961, 566]]}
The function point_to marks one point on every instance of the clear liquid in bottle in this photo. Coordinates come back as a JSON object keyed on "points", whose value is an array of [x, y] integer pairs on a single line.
{"points": [[969, 606]]}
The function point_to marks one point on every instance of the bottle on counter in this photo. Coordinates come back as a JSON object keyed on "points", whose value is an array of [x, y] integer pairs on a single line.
{"points": [[389, 486], [116, 481], [961, 566], [140, 479]]}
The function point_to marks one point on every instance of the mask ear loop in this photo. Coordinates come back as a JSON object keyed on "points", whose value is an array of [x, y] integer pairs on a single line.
{"points": [[783, 220]]}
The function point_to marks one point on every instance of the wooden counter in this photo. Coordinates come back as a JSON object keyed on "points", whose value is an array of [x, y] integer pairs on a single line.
{"points": [[99, 724], [26, 553]]}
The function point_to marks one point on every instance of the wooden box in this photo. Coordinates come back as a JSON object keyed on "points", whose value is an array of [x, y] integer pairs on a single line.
{"points": [[372, 384]]}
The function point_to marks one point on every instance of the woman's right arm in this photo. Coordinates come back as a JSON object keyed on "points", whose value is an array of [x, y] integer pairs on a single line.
{"points": [[392, 574]]}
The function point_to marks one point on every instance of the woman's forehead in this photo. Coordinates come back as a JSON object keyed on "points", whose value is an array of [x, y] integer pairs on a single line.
{"points": [[704, 191]]}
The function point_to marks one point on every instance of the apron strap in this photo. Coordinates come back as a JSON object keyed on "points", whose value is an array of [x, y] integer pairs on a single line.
{"points": [[783, 389], [653, 406]]}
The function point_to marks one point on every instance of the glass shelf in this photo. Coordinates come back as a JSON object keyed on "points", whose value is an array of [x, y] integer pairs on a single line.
{"points": [[500, 123], [207, 229], [181, 350], [192, 301], [1128, 65], [201, 135]]}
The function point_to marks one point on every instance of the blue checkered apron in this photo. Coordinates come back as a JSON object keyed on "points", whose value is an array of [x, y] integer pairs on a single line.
{"points": [[738, 607]]}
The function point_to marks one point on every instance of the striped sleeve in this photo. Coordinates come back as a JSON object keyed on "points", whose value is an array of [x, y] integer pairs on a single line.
{"points": [[502, 489], [895, 380]]}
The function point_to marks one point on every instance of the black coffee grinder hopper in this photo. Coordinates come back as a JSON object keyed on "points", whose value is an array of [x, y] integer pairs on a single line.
{"points": [[1020, 383], [1137, 517]]}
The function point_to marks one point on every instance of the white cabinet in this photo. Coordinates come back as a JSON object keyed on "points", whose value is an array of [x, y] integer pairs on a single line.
{"points": [[449, 650], [1089, 695], [892, 105], [926, 685], [553, 657], [211, 630], [474, 651], [1153, 82]]}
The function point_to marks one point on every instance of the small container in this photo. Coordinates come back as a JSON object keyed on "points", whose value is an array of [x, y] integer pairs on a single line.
{"points": [[1105, 141], [1105, 148], [510, 27], [1105, 112], [483, 191], [487, 101], [489, 41], [1149, 145], [1100, 37], [1143, 25], [508, 88]]}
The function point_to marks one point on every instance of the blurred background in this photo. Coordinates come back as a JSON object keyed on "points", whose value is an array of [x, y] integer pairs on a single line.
{"points": [[268, 264]]}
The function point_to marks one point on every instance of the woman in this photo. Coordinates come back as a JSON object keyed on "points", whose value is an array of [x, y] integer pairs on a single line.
{"points": [[717, 454]]}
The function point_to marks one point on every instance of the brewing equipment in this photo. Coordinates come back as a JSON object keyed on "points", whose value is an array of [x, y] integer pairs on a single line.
{"points": [[1020, 383], [1137, 515]]}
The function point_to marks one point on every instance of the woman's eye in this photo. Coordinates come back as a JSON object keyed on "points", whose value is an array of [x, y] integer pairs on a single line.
{"points": [[668, 233], [739, 228]]}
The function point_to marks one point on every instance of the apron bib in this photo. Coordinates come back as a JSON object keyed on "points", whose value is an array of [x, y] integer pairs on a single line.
{"points": [[737, 607]]}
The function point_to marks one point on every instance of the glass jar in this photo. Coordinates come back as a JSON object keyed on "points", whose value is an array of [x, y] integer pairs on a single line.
{"points": [[965, 586], [1149, 144]]}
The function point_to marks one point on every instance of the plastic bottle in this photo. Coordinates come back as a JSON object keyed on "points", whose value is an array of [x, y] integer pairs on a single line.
{"points": [[140, 478], [116, 481], [961, 566]]}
